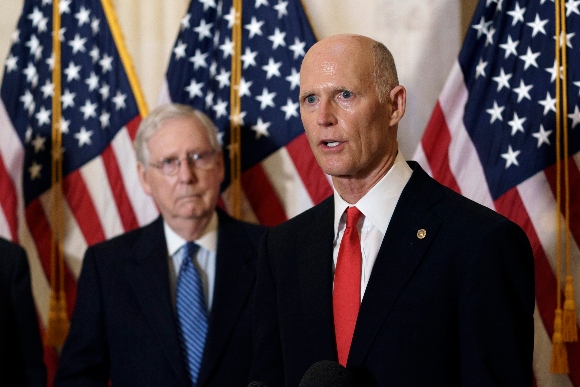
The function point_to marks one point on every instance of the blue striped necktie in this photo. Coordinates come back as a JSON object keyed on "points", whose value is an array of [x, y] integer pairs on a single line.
{"points": [[191, 311]]}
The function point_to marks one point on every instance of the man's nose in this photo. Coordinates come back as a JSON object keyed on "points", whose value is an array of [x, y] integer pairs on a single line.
{"points": [[186, 170], [325, 114]]}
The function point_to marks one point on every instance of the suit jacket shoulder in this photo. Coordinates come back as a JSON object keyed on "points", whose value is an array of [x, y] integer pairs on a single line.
{"points": [[458, 221], [131, 241]]}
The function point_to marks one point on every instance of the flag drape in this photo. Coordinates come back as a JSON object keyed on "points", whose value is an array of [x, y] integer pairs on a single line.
{"points": [[493, 137], [280, 177], [101, 106]]}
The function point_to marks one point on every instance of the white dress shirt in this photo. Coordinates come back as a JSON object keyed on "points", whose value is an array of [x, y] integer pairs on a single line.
{"points": [[205, 259], [377, 206]]}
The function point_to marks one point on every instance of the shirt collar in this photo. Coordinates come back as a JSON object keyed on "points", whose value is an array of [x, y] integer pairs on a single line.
{"points": [[208, 239], [379, 203]]}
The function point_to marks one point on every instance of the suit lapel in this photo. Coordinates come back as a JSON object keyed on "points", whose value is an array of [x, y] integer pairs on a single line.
{"points": [[314, 256], [149, 277], [235, 277], [400, 253]]}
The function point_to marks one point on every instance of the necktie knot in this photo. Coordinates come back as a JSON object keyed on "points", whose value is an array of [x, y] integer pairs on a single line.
{"points": [[353, 215], [191, 248]]}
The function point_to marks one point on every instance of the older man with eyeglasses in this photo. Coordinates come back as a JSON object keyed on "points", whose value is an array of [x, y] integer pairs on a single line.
{"points": [[169, 304]]}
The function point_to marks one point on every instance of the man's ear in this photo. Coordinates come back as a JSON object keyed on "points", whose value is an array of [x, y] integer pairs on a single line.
{"points": [[398, 100], [142, 173]]}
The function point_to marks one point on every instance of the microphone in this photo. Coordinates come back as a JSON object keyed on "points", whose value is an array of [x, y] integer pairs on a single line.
{"points": [[257, 384], [326, 373]]}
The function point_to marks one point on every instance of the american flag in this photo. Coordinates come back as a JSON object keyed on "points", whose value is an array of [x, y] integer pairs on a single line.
{"points": [[492, 137], [280, 177], [100, 114]]}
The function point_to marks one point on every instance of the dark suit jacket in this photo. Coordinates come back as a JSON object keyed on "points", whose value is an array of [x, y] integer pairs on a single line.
{"points": [[21, 361], [124, 326], [454, 308]]}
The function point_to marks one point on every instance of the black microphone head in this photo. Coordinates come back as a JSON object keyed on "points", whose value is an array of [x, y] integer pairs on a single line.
{"points": [[257, 384], [326, 373]]}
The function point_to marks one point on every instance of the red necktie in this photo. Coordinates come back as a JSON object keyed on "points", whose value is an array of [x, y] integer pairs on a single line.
{"points": [[346, 296]]}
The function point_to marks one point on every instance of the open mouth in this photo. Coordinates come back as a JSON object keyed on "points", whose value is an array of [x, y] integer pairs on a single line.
{"points": [[331, 144]]}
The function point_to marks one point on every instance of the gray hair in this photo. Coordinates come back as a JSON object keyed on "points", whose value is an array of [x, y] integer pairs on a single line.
{"points": [[385, 70], [158, 116]]}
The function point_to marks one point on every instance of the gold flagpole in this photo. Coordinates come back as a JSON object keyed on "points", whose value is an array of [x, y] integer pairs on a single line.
{"points": [[58, 323], [565, 328], [235, 147], [569, 326]]}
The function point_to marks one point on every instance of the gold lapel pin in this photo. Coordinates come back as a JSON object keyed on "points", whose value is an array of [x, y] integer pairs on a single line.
{"points": [[421, 233]]}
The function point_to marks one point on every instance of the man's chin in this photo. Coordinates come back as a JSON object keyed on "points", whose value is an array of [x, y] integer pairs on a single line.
{"points": [[191, 210], [197, 214], [336, 170]]}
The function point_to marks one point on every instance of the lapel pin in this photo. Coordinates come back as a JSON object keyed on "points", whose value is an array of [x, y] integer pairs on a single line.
{"points": [[421, 233]]}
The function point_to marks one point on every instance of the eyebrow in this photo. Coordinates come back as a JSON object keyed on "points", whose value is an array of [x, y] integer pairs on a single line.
{"points": [[304, 94]]}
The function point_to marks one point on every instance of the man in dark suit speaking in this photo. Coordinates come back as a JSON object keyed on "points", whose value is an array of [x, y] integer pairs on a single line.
{"points": [[168, 304], [401, 280]]}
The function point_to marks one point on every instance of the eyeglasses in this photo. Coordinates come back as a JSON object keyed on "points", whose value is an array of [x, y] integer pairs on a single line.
{"points": [[170, 165]]}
